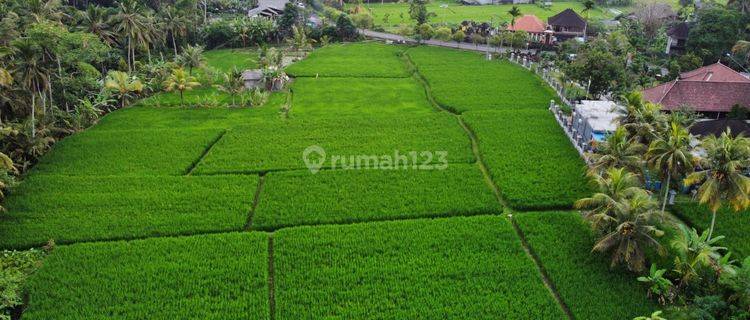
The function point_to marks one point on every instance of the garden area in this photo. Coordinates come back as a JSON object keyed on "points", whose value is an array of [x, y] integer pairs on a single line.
{"points": [[213, 212]]}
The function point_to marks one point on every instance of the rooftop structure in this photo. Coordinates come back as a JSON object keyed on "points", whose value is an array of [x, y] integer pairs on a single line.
{"points": [[715, 88]]}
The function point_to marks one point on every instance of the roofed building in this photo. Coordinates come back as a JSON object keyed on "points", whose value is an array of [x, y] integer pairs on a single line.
{"points": [[268, 9], [711, 89], [677, 37], [533, 25], [567, 24], [717, 127]]}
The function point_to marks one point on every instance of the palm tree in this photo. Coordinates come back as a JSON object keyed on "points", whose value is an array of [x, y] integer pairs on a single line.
{"points": [[43, 10], [723, 180], [670, 155], [94, 20], [618, 150], [233, 84], [614, 186], [122, 85], [588, 5], [133, 25], [30, 71], [643, 120], [634, 232], [514, 13], [191, 57], [181, 82], [174, 23]]}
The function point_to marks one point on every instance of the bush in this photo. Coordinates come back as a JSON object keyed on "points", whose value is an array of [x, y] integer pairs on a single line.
{"points": [[443, 33], [459, 36], [362, 20], [425, 31], [15, 268]]}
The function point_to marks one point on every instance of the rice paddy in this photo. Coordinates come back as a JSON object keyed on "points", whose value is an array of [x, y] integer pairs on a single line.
{"points": [[194, 213]]}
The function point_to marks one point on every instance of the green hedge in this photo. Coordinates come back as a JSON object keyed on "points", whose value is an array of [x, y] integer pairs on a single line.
{"points": [[456, 268], [201, 277], [70, 209], [341, 196], [530, 158], [563, 242]]}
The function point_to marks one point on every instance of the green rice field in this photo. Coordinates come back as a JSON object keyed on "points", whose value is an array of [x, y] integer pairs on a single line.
{"points": [[424, 202]]}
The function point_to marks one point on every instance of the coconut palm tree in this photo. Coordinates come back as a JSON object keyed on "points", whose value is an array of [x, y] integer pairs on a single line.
{"points": [[723, 181], [191, 57], [94, 20], [172, 21], [643, 120], [131, 23], [180, 81], [615, 185], [233, 84], [30, 72], [618, 150], [670, 155], [588, 5], [122, 85], [514, 13], [633, 233]]}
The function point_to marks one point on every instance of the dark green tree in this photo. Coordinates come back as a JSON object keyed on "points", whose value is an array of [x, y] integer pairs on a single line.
{"points": [[717, 29], [418, 11]]}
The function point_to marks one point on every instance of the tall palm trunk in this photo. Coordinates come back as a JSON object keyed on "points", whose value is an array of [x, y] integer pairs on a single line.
{"points": [[713, 222], [666, 194], [33, 113], [174, 45], [182, 100]]}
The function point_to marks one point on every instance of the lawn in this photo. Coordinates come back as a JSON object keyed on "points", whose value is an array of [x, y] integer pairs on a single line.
{"points": [[70, 209], [529, 157], [730, 224], [365, 60], [341, 196], [562, 241], [457, 268], [280, 145], [200, 277], [465, 81], [450, 12]]}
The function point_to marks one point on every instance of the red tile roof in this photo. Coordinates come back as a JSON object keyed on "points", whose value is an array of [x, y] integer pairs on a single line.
{"points": [[714, 88], [715, 72], [528, 23]]}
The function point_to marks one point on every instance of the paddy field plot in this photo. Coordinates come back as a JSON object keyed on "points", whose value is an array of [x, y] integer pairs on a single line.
{"points": [[221, 276], [464, 267], [134, 152], [150, 117], [280, 145], [584, 280], [529, 158], [347, 196], [72, 209], [465, 81], [362, 97], [361, 60]]}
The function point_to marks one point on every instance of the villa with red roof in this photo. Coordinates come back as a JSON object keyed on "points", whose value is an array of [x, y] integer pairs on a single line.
{"points": [[711, 89], [533, 25]]}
